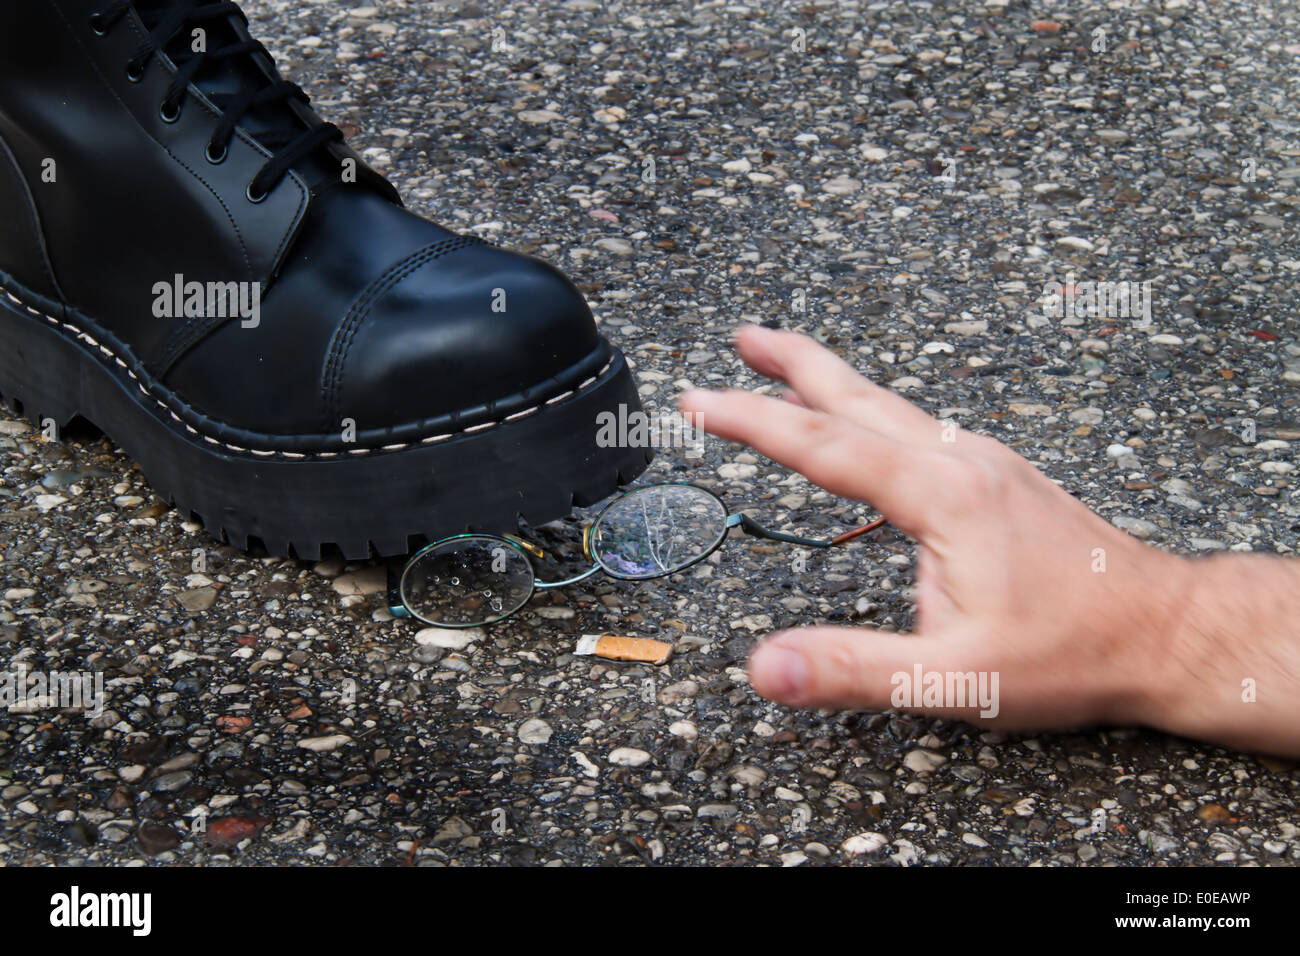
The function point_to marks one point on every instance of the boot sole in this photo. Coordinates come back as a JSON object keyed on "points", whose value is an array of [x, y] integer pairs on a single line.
{"points": [[379, 502]]}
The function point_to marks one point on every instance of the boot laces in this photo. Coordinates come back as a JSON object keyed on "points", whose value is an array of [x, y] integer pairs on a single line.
{"points": [[289, 144]]}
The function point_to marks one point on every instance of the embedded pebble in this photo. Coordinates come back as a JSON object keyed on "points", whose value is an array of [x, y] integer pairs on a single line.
{"points": [[628, 757], [924, 761], [534, 731], [863, 843]]}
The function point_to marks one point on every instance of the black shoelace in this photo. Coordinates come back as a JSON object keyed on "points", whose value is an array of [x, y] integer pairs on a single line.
{"points": [[289, 144]]}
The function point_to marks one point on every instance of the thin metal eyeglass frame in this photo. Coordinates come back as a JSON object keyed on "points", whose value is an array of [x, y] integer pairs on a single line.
{"points": [[399, 608]]}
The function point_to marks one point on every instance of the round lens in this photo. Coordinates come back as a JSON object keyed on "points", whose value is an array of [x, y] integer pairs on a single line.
{"points": [[657, 530], [467, 581]]}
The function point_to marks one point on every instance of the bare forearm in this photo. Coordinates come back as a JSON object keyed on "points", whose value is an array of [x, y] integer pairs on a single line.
{"points": [[1228, 668]]}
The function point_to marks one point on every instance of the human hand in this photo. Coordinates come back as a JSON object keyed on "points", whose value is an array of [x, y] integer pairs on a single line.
{"points": [[1014, 577]]}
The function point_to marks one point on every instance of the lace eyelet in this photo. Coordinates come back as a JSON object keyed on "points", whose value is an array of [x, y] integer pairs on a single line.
{"points": [[248, 193], [97, 25], [171, 117], [134, 72], [215, 158]]}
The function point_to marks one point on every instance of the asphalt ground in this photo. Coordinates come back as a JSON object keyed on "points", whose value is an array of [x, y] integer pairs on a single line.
{"points": [[901, 180]]}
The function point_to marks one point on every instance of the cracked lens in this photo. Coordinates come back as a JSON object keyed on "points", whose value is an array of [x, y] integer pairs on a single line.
{"points": [[658, 530]]}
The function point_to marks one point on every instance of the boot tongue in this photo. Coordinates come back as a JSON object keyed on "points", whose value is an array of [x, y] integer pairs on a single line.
{"points": [[222, 79]]}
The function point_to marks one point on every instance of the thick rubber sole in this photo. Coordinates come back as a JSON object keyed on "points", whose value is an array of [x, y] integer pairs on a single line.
{"points": [[382, 502]]}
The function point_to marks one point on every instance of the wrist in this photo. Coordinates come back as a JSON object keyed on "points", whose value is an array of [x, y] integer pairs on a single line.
{"points": [[1152, 635], [1231, 657]]}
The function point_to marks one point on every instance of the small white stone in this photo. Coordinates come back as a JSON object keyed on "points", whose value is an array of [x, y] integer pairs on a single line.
{"points": [[1138, 527], [322, 745], [365, 581], [733, 469], [924, 761], [905, 853], [589, 769], [619, 247], [557, 613], [629, 757], [534, 731], [863, 843], [1029, 409], [452, 639], [539, 116], [684, 729], [841, 186]]}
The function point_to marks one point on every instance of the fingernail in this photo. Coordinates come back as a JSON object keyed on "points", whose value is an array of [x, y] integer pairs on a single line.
{"points": [[779, 673]]}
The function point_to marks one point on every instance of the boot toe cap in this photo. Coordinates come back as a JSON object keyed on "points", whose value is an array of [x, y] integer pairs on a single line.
{"points": [[478, 326]]}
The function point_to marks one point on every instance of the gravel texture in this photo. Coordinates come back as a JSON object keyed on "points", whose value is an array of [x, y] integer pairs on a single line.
{"points": [[901, 180]]}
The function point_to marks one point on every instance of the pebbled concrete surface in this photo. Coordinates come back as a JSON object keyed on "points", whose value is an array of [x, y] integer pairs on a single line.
{"points": [[902, 180]]}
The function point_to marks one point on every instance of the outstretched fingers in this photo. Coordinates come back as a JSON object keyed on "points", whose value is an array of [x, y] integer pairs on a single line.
{"points": [[899, 479], [826, 382]]}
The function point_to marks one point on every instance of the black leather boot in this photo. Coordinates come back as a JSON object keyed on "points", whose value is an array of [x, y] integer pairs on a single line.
{"points": [[194, 261]]}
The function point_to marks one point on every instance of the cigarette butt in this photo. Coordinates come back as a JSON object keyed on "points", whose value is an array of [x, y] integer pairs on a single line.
{"points": [[615, 648]]}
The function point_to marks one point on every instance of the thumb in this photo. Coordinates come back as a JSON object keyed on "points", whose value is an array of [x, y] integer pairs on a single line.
{"points": [[842, 668]]}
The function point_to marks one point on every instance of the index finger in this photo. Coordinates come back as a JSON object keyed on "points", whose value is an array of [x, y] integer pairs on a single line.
{"points": [[898, 478], [826, 382]]}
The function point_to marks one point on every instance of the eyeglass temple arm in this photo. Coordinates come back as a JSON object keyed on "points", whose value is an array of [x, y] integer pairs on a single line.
{"points": [[752, 527], [395, 605]]}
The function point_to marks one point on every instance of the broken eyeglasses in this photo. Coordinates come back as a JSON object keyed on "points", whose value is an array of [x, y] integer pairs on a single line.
{"points": [[470, 580]]}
